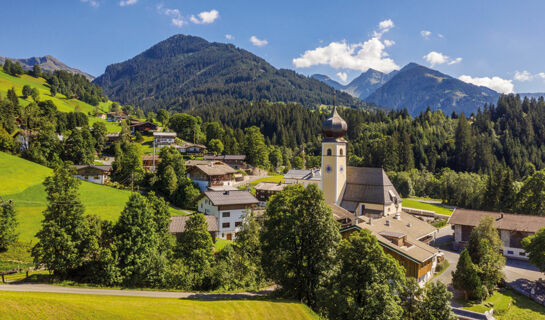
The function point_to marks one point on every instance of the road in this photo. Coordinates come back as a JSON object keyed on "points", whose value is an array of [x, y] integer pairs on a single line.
{"points": [[38, 287]]}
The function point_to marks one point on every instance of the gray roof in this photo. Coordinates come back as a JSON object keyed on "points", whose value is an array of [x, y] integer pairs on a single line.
{"points": [[310, 174], [221, 198], [214, 169], [105, 168], [369, 185], [270, 186], [164, 134], [177, 224], [225, 157]]}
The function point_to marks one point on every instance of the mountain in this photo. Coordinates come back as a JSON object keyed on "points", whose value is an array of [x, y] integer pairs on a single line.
{"points": [[416, 87], [327, 80], [47, 63], [535, 95], [184, 72], [367, 83]]}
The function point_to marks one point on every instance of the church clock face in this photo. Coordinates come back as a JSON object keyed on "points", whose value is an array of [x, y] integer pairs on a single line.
{"points": [[328, 168]]}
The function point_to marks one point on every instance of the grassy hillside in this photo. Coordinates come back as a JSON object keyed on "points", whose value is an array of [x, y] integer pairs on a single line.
{"points": [[63, 104], [34, 305], [22, 182]]}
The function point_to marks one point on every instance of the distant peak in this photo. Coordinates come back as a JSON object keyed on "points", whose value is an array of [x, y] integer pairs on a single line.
{"points": [[411, 66]]}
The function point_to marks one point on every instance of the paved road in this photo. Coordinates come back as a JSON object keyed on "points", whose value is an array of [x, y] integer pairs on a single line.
{"points": [[38, 287]]}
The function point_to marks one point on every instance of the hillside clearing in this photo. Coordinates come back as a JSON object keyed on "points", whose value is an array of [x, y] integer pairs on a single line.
{"points": [[37, 305]]}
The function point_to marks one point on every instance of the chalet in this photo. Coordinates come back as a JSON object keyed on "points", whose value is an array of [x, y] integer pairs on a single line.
{"points": [[236, 161], [101, 115], [177, 225], [193, 162], [211, 175], [191, 148], [162, 139], [93, 173], [117, 116], [113, 137], [150, 161], [303, 177], [229, 207], [512, 228], [264, 190], [364, 198], [142, 126]]}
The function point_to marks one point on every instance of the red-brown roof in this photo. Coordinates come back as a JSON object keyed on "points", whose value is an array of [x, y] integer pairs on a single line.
{"points": [[177, 224], [503, 221]]}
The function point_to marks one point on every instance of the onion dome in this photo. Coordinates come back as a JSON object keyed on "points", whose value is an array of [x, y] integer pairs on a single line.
{"points": [[334, 127]]}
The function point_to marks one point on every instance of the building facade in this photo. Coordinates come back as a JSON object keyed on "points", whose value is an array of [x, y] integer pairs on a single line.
{"points": [[93, 173], [211, 175], [162, 139]]}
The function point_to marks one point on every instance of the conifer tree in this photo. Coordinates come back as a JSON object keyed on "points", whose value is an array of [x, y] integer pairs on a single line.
{"points": [[8, 224]]}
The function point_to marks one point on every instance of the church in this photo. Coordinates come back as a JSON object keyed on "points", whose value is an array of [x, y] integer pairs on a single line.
{"points": [[365, 198]]}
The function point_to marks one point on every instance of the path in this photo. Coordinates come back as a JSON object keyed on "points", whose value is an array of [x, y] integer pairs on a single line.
{"points": [[38, 287]]}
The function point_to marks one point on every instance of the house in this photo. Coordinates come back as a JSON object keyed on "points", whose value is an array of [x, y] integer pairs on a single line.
{"points": [[150, 161], [512, 228], [162, 139], [365, 198], [23, 137], [112, 138], [191, 163], [236, 161], [264, 190], [211, 175], [191, 148], [303, 177], [229, 207], [93, 173], [177, 225], [142, 126], [101, 115], [117, 116]]}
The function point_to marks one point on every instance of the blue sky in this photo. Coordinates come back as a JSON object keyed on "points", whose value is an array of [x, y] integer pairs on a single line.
{"points": [[494, 43]]}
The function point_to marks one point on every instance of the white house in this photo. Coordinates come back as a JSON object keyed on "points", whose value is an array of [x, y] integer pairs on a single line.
{"points": [[164, 138], [93, 173], [229, 207]]}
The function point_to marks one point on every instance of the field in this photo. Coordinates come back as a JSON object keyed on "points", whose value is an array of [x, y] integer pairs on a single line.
{"points": [[63, 104], [409, 203], [35, 305], [509, 305], [275, 179]]}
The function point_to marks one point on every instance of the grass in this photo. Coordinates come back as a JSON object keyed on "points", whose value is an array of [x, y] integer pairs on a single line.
{"points": [[509, 305], [37, 305], [409, 203], [63, 104], [275, 179], [441, 267], [220, 244]]}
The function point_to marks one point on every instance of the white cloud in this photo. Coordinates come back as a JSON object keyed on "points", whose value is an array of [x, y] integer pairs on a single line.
{"points": [[205, 17], [229, 37], [175, 15], [495, 83], [425, 34], [541, 75], [258, 42], [343, 76], [124, 3], [358, 56], [455, 61], [434, 58], [440, 36], [523, 76], [92, 3]]}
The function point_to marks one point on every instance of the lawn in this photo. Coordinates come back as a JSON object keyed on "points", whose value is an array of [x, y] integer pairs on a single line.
{"points": [[409, 203], [37, 305], [509, 305], [275, 179], [220, 244]]}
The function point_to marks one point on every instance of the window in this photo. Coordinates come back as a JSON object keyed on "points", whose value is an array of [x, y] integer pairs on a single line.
{"points": [[522, 253], [225, 214], [341, 151], [226, 225], [328, 152], [509, 252], [238, 224]]}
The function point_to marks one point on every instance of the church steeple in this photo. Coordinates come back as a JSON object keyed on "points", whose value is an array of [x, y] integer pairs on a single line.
{"points": [[333, 157]]}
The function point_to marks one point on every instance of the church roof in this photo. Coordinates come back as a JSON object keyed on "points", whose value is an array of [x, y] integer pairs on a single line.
{"points": [[369, 185], [334, 127]]}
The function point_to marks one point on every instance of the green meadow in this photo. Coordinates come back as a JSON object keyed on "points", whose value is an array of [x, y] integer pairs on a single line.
{"points": [[509, 305], [37, 305], [409, 203]]}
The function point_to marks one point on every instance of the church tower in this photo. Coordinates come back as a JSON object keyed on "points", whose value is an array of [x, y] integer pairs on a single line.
{"points": [[333, 157]]}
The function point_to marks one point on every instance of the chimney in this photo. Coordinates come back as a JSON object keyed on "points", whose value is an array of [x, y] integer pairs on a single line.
{"points": [[409, 225], [371, 220], [501, 217], [387, 223], [397, 216], [226, 192]]}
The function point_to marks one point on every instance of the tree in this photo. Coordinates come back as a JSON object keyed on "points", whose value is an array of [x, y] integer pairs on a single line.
{"points": [[531, 198], [533, 245], [53, 91], [466, 278], [366, 284], [249, 253], [464, 145], [409, 297], [136, 241], [27, 91], [162, 116], [12, 97], [79, 147], [99, 132], [195, 248], [187, 127], [8, 225], [127, 166], [34, 93], [115, 107], [299, 239], [62, 238], [484, 248], [36, 71], [436, 303], [255, 148], [215, 146]]}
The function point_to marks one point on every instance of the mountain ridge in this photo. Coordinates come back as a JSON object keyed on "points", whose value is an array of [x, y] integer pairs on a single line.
{"points": [[47, 63]]}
